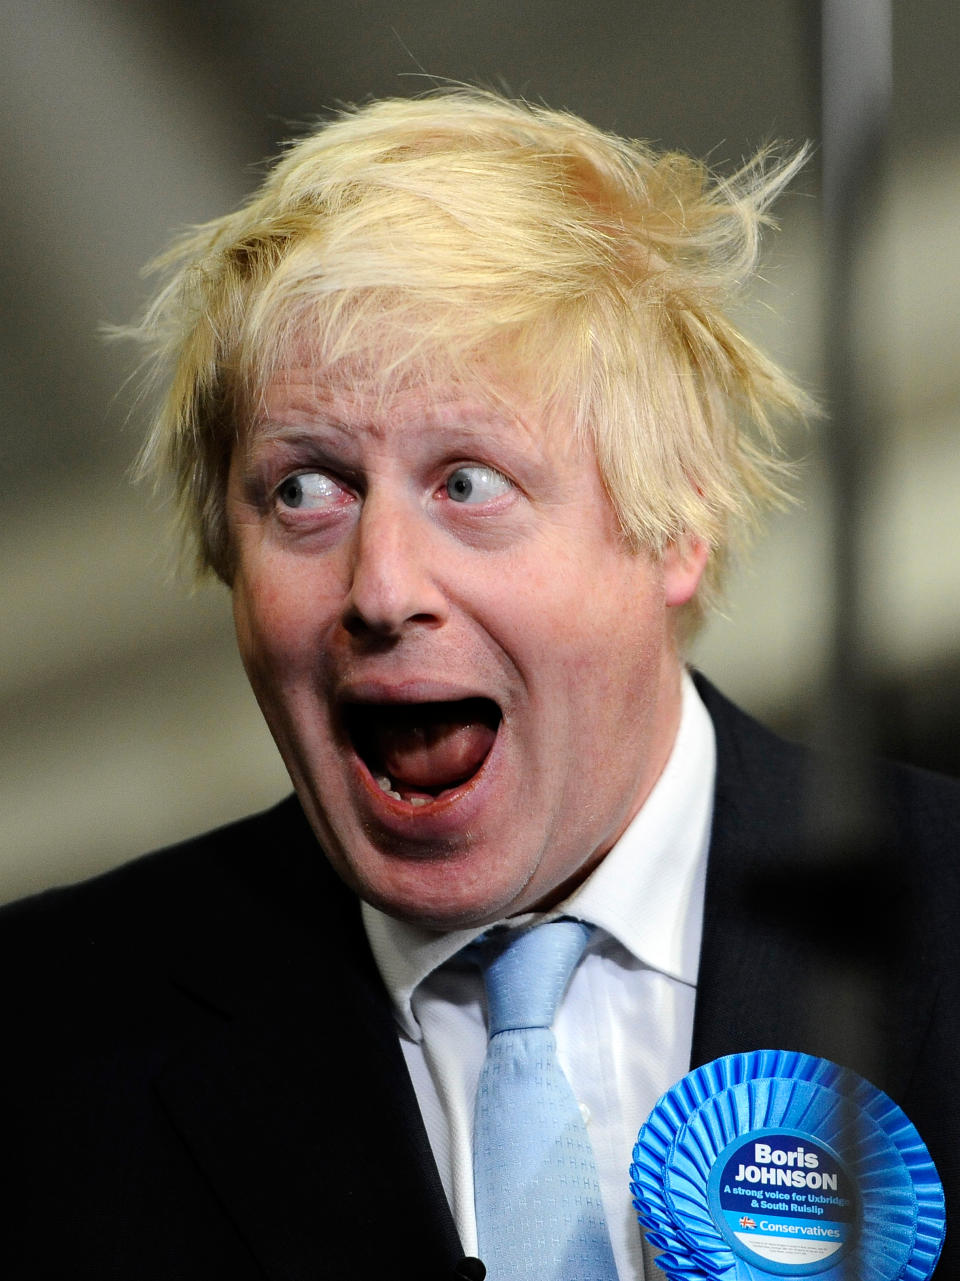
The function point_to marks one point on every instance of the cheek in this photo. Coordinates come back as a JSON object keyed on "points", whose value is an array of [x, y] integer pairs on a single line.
{"points": [[250, 633], [630, 645], [620, 615], [269, 626], [281, 607]]}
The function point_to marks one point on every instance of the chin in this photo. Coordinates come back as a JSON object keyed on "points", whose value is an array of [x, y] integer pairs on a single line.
{"points": [[443, 894]]}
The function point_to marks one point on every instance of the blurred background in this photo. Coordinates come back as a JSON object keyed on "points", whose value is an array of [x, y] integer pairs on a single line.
{"points": [[125, 720]]}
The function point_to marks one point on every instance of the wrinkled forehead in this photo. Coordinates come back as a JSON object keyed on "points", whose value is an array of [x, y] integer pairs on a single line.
{"points": [[429, 388]]}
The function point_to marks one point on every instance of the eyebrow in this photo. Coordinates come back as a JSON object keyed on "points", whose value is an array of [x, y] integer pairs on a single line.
{"points": [[268, 432]]}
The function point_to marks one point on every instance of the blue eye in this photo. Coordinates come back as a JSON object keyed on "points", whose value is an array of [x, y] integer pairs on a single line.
{"points": [[311, 489], [476, 484]]}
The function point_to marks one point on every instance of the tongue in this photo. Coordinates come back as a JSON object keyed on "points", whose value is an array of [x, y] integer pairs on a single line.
{"points": [[437, 754]]}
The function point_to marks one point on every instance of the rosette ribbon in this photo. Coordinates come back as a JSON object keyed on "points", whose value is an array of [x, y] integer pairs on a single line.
{"points": [[779, 1164]]}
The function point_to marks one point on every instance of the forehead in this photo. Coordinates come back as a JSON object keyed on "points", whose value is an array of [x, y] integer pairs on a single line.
{"points": [[379, 364], [316, 397]]}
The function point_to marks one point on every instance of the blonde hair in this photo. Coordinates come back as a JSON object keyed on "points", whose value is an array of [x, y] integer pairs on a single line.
{"points": [[430, 237]]}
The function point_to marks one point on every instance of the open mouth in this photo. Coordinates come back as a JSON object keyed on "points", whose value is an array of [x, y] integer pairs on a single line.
{"points": [[416, 752]]}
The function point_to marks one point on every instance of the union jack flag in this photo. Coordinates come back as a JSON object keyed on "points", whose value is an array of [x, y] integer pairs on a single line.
{"points": [[747, 1222]]}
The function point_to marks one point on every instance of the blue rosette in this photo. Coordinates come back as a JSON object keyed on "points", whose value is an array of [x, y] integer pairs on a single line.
{"points": [[779, 1164]]}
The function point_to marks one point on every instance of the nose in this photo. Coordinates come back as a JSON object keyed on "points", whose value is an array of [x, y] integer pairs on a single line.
{"points": [[393, 582]]}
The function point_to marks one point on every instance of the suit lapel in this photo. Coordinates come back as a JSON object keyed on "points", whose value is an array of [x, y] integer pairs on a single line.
{"points": [[297, 1104], [799, 948]]}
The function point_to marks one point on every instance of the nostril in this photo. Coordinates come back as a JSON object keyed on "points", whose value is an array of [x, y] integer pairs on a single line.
{"points": [[384, 609], [362, 626]]}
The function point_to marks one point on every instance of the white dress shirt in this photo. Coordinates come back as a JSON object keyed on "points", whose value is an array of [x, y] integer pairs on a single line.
{"points": [[625, 1025]]}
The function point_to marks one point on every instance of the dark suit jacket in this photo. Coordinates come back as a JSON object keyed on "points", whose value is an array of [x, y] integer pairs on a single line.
{"points": [[201, 1080]]}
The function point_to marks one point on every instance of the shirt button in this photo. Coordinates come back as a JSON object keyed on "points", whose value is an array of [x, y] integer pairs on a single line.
{"points": [[585, 1113]]}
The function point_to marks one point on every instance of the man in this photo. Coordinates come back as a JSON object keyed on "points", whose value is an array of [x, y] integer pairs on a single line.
{"points": [[456, 411]]}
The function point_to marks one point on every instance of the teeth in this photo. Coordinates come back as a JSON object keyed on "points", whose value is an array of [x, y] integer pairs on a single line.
{"points": [[386, 786]]}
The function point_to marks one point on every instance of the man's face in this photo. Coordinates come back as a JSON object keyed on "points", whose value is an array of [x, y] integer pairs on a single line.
{"points": [[470, 677]]}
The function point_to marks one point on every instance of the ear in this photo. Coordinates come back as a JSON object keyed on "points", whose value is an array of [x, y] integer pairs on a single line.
{"points": [[684, 561]]}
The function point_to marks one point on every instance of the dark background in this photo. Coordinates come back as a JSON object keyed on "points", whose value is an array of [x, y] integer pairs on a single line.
{"points": [[124, 716]]}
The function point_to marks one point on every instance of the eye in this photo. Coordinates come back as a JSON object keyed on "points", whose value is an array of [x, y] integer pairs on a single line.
{"points": [[310, 489], [475, 483]]}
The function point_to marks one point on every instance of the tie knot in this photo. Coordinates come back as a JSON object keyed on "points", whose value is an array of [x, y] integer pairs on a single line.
{"points": [[526, 974]]}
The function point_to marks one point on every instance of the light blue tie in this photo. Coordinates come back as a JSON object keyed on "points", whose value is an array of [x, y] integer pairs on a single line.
{"points": [[539, 1212]]}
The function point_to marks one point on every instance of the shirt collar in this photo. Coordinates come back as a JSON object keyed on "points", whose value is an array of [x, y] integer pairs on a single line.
{"points": [[647, 893]]}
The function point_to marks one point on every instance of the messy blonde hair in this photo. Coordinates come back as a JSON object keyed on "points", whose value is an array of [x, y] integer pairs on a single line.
{"points": [[447, 234]]}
